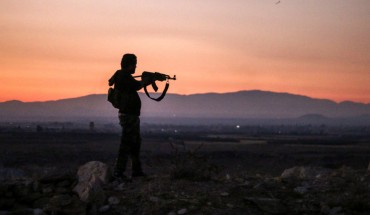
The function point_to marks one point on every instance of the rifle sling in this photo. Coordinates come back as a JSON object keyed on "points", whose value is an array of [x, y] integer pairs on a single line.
{"points": [[160, 97]]}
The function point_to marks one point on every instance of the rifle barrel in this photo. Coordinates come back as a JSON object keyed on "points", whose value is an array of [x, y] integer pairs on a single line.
{"points": [[167, 76], [172, 78]]}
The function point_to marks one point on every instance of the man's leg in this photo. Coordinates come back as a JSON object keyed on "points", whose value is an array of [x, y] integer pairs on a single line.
{"points": [[135, 148], [135, 155], [121, 162]]}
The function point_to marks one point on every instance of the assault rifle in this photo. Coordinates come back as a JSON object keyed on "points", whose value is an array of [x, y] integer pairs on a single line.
{"points": [[156, 76]]}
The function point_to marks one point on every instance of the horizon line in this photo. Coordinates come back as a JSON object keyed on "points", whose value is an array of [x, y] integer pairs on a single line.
{"points": [[239, 91]]}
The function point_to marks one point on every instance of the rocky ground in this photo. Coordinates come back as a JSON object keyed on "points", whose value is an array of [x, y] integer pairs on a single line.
{"points": [[70, 174], [190, 186]]}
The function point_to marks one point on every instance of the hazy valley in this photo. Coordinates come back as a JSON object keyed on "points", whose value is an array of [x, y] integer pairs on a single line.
{"points": [[249, 107]]}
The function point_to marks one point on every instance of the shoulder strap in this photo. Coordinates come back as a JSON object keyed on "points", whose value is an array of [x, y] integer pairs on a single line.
{"points": [[160, 97], [113, 78]]}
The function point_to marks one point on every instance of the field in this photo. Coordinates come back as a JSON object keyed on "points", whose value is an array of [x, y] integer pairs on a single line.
{"points": [[192, 170], [267, 150]]}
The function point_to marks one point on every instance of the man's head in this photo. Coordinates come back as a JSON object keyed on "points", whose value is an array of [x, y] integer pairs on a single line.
{"points": [[128, 63]]}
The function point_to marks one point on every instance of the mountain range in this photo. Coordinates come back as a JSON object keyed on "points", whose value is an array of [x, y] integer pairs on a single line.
{"points": [[253, 104]]}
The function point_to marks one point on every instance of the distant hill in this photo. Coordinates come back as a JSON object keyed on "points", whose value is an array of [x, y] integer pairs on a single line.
{"points": [[238, 105]]}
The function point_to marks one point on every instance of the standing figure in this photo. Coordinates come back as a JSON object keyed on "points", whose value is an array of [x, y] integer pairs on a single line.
{"points": [[129, 113]]}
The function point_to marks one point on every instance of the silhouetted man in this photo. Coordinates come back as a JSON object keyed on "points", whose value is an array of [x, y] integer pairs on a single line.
{"points": [[129, 112]]}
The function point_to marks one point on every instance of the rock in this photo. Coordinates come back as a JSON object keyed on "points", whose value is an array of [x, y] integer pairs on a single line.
{"points": [[113, 200], [38, 211], [76, 207], [182, 211], [325, 209], [269, 205], [62, 190], [336, 211], [31, 198], [230, 205], [344, 172], [301, 190], [224, 194], [258, 185], [41, 203], [94, 168], [154, 199], [65, 204], [47, 189], [227, 177], [239, 180], [90, 191], [10, 174], [104, 208], [120, 187], [91, 176], [61, 200], [64, 183], [36, 186], [20, 210], [304, 172]]}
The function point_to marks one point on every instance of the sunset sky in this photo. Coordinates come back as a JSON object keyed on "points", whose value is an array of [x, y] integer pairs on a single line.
{"points": [[53, 49]]}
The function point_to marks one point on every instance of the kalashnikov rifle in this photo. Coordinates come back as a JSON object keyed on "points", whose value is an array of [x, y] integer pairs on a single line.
{"points": [[157, 76]]}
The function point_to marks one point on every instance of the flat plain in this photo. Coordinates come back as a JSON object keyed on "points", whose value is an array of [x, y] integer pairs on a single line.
{"points": [[267, 152]]}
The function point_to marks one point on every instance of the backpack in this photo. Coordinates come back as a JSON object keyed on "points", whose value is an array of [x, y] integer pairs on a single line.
{"points": [[114, 96]]}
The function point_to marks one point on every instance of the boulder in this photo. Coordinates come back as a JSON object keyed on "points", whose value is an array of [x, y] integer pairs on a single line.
{"points": [[302, 172], [91, 176], [90, 191], [94, 168]]}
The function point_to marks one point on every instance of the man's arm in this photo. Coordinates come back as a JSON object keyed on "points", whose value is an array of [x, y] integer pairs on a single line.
{"points": [[128, 83]]}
